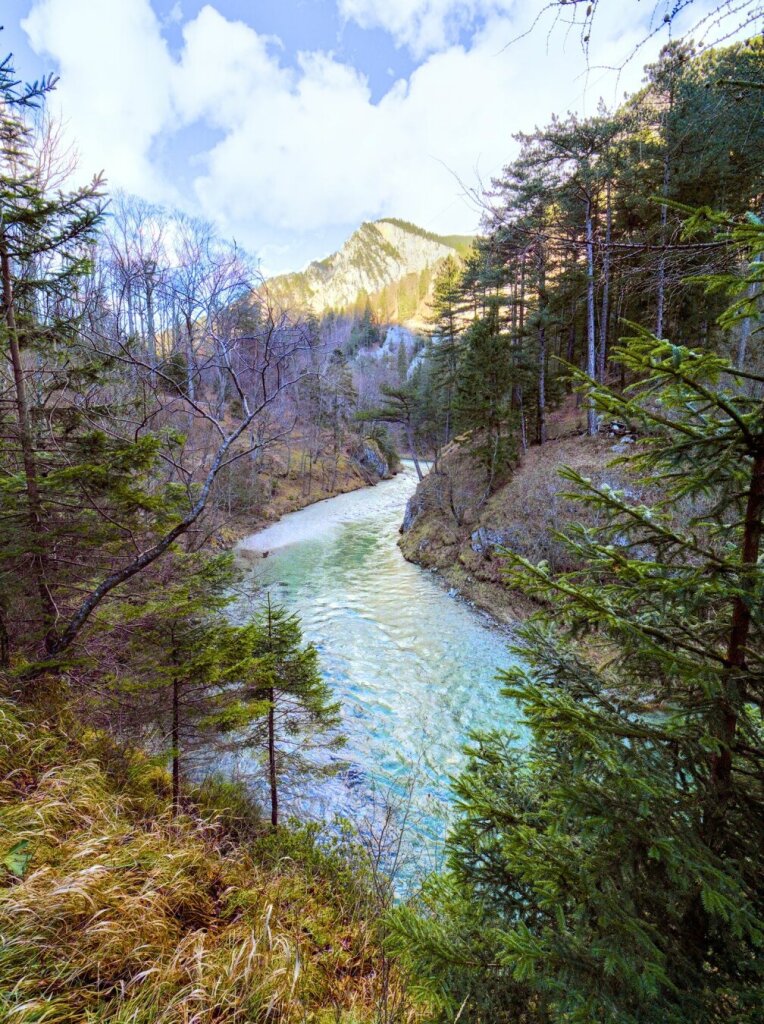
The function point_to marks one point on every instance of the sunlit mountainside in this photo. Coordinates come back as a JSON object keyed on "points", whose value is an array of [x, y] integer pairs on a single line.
{"points": [[390, 263]]}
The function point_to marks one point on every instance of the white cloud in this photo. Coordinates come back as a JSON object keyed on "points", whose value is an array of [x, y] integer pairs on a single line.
{"points": [[300, 153], [422, 25], [223, 66], [114, 69], [426, 26]]}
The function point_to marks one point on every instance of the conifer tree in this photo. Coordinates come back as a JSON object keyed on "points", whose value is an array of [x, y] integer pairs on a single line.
{"points": [[300, 712], [483, 404], [446, 323], [609, 868], [44, 242], [402, 406], [181, 678]]}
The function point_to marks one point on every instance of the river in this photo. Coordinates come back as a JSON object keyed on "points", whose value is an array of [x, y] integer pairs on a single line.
{"points": [[414, 666]]}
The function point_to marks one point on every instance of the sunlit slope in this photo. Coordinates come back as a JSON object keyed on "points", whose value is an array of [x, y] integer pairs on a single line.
{"points": [[389, 263]]}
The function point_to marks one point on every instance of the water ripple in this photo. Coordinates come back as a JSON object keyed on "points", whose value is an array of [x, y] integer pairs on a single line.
{"points": [[414, 668]]}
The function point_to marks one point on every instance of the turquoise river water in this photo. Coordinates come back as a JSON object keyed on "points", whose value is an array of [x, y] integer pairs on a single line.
{"points": [[414, 667]]}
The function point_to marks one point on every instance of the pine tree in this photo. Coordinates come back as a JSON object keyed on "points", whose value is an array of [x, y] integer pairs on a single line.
{"points": [[609, 868], [301, 715], [402, 406]]}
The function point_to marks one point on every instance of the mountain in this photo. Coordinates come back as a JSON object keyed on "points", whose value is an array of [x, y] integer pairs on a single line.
{"points": [[389, 263]]}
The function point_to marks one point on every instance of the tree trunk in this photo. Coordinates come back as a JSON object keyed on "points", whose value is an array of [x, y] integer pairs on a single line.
{"points": [[662, 263], [745, 330], [591, 369], [721, 761], [29, 458], [175, 747], [570, 353], [151, 331], [5, 643], [414, 456], [190, 385], [541, 435], [542, 300], [602, 353], [272, 776]]}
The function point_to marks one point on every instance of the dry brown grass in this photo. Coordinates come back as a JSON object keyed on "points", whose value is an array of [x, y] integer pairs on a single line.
{"points": [[525, 512], [125, 915]]}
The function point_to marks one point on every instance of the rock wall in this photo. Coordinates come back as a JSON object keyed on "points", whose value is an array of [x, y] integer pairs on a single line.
{"points": [[375, 255], [445, 527]]}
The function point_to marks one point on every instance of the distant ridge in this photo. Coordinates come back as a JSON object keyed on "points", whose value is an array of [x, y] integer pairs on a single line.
{"points": [[389, 264]]}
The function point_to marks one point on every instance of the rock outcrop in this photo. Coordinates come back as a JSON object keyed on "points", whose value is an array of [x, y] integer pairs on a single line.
{"points": [[376, 255], [370, 457], [449, 528]]}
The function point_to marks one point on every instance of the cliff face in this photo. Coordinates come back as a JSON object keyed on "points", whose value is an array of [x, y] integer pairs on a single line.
{"points": [[447, 528], [375, 256]]}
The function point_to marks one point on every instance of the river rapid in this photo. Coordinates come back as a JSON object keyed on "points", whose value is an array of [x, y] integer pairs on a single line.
{"points": [[414, 666]]}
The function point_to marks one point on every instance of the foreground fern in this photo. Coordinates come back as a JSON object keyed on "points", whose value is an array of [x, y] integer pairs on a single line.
{"points": [[110, 910]]}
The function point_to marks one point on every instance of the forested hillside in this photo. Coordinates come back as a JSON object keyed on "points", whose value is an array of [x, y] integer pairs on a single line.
{"points": [[388, 266], [579, 394], [624, 218], [592, 398]]}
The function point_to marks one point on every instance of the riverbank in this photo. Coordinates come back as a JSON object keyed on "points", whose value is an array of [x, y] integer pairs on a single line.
{"points": [[114, 909], [287, 481], [446, 528]]}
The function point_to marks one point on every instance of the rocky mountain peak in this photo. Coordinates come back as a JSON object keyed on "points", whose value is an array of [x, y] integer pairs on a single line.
{"points": [[380, 254]]}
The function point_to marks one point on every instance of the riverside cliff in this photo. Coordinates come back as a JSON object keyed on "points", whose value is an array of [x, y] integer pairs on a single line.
{"points": [[448, 526]]}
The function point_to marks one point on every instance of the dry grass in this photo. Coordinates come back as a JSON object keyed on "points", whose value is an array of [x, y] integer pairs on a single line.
{"points": [[125, 915], [525, 512]]}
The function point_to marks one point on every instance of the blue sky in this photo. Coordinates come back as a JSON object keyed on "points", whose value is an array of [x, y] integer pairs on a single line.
{"points": [[288, 122]]}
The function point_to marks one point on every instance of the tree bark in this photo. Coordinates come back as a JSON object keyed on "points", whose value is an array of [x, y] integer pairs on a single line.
{"points": [[721, 761], [605, 313], [745, 330], [5, 643], [190, 385], [543, 301], [591, 369], [28, 455], [662, 263], [414, 456], [175, 747], [151, 329], [272, 775]]}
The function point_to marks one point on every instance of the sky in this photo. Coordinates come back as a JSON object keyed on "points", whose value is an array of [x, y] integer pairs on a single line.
{"points": [[289, 122]]}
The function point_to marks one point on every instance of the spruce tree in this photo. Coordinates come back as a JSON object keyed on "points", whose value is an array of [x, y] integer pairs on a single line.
{"points": [[609, 868], [301, 715], [446, 323], [181, 677], [484, 395]]}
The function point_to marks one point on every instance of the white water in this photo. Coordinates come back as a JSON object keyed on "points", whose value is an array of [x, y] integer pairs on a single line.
{"points": [[414, 667]]}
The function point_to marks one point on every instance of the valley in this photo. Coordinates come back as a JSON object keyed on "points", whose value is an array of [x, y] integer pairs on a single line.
{"points": [[382, 642]]}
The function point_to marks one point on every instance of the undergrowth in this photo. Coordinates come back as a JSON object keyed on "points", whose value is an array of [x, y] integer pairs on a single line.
{"points": [[113, 911]]}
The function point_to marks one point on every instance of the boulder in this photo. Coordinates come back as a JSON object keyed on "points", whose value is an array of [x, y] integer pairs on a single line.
{"points": [[414, 509], [485, 540], [372, 459]]}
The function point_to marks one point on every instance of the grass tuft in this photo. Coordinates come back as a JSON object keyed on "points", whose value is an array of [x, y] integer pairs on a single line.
{"points": [[123, 914]]}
